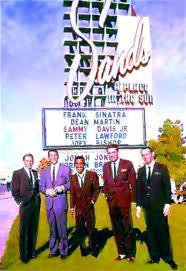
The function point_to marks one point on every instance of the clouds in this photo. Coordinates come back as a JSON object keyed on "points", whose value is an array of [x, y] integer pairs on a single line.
{"points": [[32, 56], [31, 39], [169, 67], [168, 35], [168, 56], [32, 68]]}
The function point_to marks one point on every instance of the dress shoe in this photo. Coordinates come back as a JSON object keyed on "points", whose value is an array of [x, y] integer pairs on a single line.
{"points": [[131, 259], [173, 265], [62, 256], [24, 260], [33, 256], [153, 261], [120, 258], [84, 253]]}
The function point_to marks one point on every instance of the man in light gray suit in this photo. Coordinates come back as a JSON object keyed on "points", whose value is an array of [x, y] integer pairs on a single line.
{"points": [[54, 183]]}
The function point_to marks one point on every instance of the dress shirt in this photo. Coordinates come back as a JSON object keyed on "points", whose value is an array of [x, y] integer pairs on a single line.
{"points": [[81, 177], [30, 172], [56, 169], [151, 165], [117, 165]]}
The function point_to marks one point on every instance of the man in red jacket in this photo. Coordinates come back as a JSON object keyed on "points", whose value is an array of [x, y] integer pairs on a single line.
{"points": [[84, 191], [119, 186]]}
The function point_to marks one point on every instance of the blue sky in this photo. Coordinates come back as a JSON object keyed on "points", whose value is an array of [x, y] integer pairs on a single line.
{"points": [[32, 67]]}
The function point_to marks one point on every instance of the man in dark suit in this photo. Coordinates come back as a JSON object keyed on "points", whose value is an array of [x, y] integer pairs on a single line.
{"points": [[119, 186], [84, 191], [25, 190], [154, 196], [54, 184]]}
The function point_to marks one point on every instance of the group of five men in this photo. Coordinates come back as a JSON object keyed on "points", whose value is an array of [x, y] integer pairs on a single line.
{"points": [[151, 192]]}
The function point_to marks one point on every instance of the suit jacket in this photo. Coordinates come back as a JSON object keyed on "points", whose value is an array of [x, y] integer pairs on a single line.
{"points": [[62, 178], [80, 197], [121, 193], [159, 190], [22, 186]]}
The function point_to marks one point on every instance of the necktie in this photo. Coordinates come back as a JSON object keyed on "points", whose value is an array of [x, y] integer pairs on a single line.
{"points": [[115, 176], [81, 179], [53, 175], [149, 176], [31, 178]]}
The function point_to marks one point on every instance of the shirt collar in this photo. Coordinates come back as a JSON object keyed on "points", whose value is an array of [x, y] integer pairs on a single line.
{"points": [[82, 174], [27, 170], [116, 162], [56, 166]]}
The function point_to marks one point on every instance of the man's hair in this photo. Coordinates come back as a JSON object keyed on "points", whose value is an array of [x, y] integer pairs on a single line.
{"points": [[29, 155], [81, 157], [147, 148], [53, 150], [110, 146]]}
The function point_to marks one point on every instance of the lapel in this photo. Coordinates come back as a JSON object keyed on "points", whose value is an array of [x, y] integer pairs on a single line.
{"points": [[154, 170], [57, 178], [85, 179], [144, 175], [76, 182], [85, 184], [58, 174], [110, 172], [119, 168], [26, 178], [25, 175], [48, 173]]}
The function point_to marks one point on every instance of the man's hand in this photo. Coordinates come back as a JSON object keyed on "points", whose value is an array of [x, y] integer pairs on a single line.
{"points": [[72, 210], [50, 192], [59, 189], [138, 211], [166, 209]]}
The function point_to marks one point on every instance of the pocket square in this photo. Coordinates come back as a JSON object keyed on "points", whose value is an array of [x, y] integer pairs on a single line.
{"points": [[157, 173], [123, 170]]}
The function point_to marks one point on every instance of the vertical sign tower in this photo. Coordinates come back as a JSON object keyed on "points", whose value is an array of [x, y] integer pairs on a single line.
{"points": [[97, 21]]}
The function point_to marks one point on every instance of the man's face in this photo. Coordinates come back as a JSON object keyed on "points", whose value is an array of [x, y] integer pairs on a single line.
{"points": [[147, 156], [79, 165], [28, 162], [53, 157], [113, 154]]}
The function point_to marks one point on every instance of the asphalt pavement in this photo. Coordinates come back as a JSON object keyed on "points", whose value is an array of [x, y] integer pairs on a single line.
{"points": [[8, 212]]}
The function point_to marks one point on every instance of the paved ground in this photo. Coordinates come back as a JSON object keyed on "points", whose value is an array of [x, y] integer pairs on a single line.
{"points": [[8, 212]]}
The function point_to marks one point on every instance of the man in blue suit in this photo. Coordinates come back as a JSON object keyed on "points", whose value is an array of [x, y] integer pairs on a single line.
{"points": [[54, 183]]}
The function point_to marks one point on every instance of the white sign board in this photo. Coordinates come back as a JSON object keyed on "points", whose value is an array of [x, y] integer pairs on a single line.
{"points": [[92, 128]]}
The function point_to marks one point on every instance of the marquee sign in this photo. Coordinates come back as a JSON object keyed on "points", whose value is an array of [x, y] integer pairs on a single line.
{"points": [[89, 128]]}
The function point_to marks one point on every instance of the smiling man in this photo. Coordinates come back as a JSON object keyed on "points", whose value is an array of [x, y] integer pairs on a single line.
{"points": [[84, 191], [54, 184]]}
